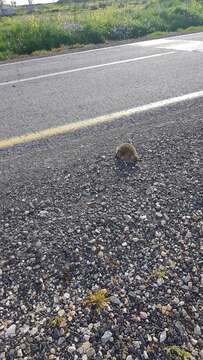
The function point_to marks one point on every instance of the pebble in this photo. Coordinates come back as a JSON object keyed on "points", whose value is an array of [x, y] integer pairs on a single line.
{"points": [[11, 331], [84, 347], [43, 213], [61, 340], [159, 215], [197, 331], [143, 315], [128, 218], [91, 353], [20, 353], [100, 254], [163, 336], [71, 349], [66, 296], [38, 244], [107, 337], [34, 331], [61, 312], [175, 301], [137, 344], [24, 329], [115, 300]]}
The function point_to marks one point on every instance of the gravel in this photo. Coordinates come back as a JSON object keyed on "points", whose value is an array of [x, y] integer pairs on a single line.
{"points": [[135, 231]]}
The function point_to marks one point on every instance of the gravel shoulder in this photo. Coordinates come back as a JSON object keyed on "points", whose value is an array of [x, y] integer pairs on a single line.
{"points": [[74, 221]]}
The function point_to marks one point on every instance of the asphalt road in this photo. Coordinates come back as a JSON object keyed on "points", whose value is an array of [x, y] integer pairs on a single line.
{"points": [[89, 91]]}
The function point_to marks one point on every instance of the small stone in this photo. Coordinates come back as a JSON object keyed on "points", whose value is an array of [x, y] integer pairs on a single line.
{"points": [[71, 349], [91, 353], [43, 213], [86, 337], [160, 281], [61, 312], [129, 357], [115, 300], [163, 336], [100, 254], [197, 331], [181, 329], [56, 334], [201, 354], [128, 218], [61, 340], [34, 331], [158, 206], [145, 355], [11, 331], [107, 337], [124, 244], [38, 244], [175, 301], [52, 357], [137, 344], [193, 342], [66, 296], [84, 347], [143, 217], [19, 353], [143, 315], [159, 215], [24, 329]]}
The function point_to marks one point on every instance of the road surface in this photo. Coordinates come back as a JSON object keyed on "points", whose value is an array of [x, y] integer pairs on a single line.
{"points": [[49, 92], [73, 219]]}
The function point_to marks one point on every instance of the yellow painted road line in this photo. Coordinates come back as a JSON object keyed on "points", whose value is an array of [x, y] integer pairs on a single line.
{"points": [[70, 127], [85, 68]]}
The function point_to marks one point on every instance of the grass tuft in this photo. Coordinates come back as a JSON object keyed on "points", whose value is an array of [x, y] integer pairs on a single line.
{"points": [[177, 353], [56, 321], [97, 299]]}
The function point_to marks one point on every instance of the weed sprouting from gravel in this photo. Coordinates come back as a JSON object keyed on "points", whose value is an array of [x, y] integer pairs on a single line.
{"points": [[177, 353], [56, 321], [97, 299], [158, 274]]}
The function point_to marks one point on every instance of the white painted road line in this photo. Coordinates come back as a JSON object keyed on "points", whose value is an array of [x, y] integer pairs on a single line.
{"points": [[173, 44], [70, 127], [50, 57], [85, 68]]}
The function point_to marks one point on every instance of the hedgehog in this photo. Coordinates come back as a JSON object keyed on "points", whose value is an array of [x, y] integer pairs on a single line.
{"points": [[127, 152]]}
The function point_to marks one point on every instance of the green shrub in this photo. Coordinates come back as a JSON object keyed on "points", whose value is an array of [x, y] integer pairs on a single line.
{"points": [[53, 26], [34, 34]]}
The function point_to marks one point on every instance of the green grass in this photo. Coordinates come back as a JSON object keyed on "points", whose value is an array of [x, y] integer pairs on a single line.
{"points": [[58, 25], [177, 353]]}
